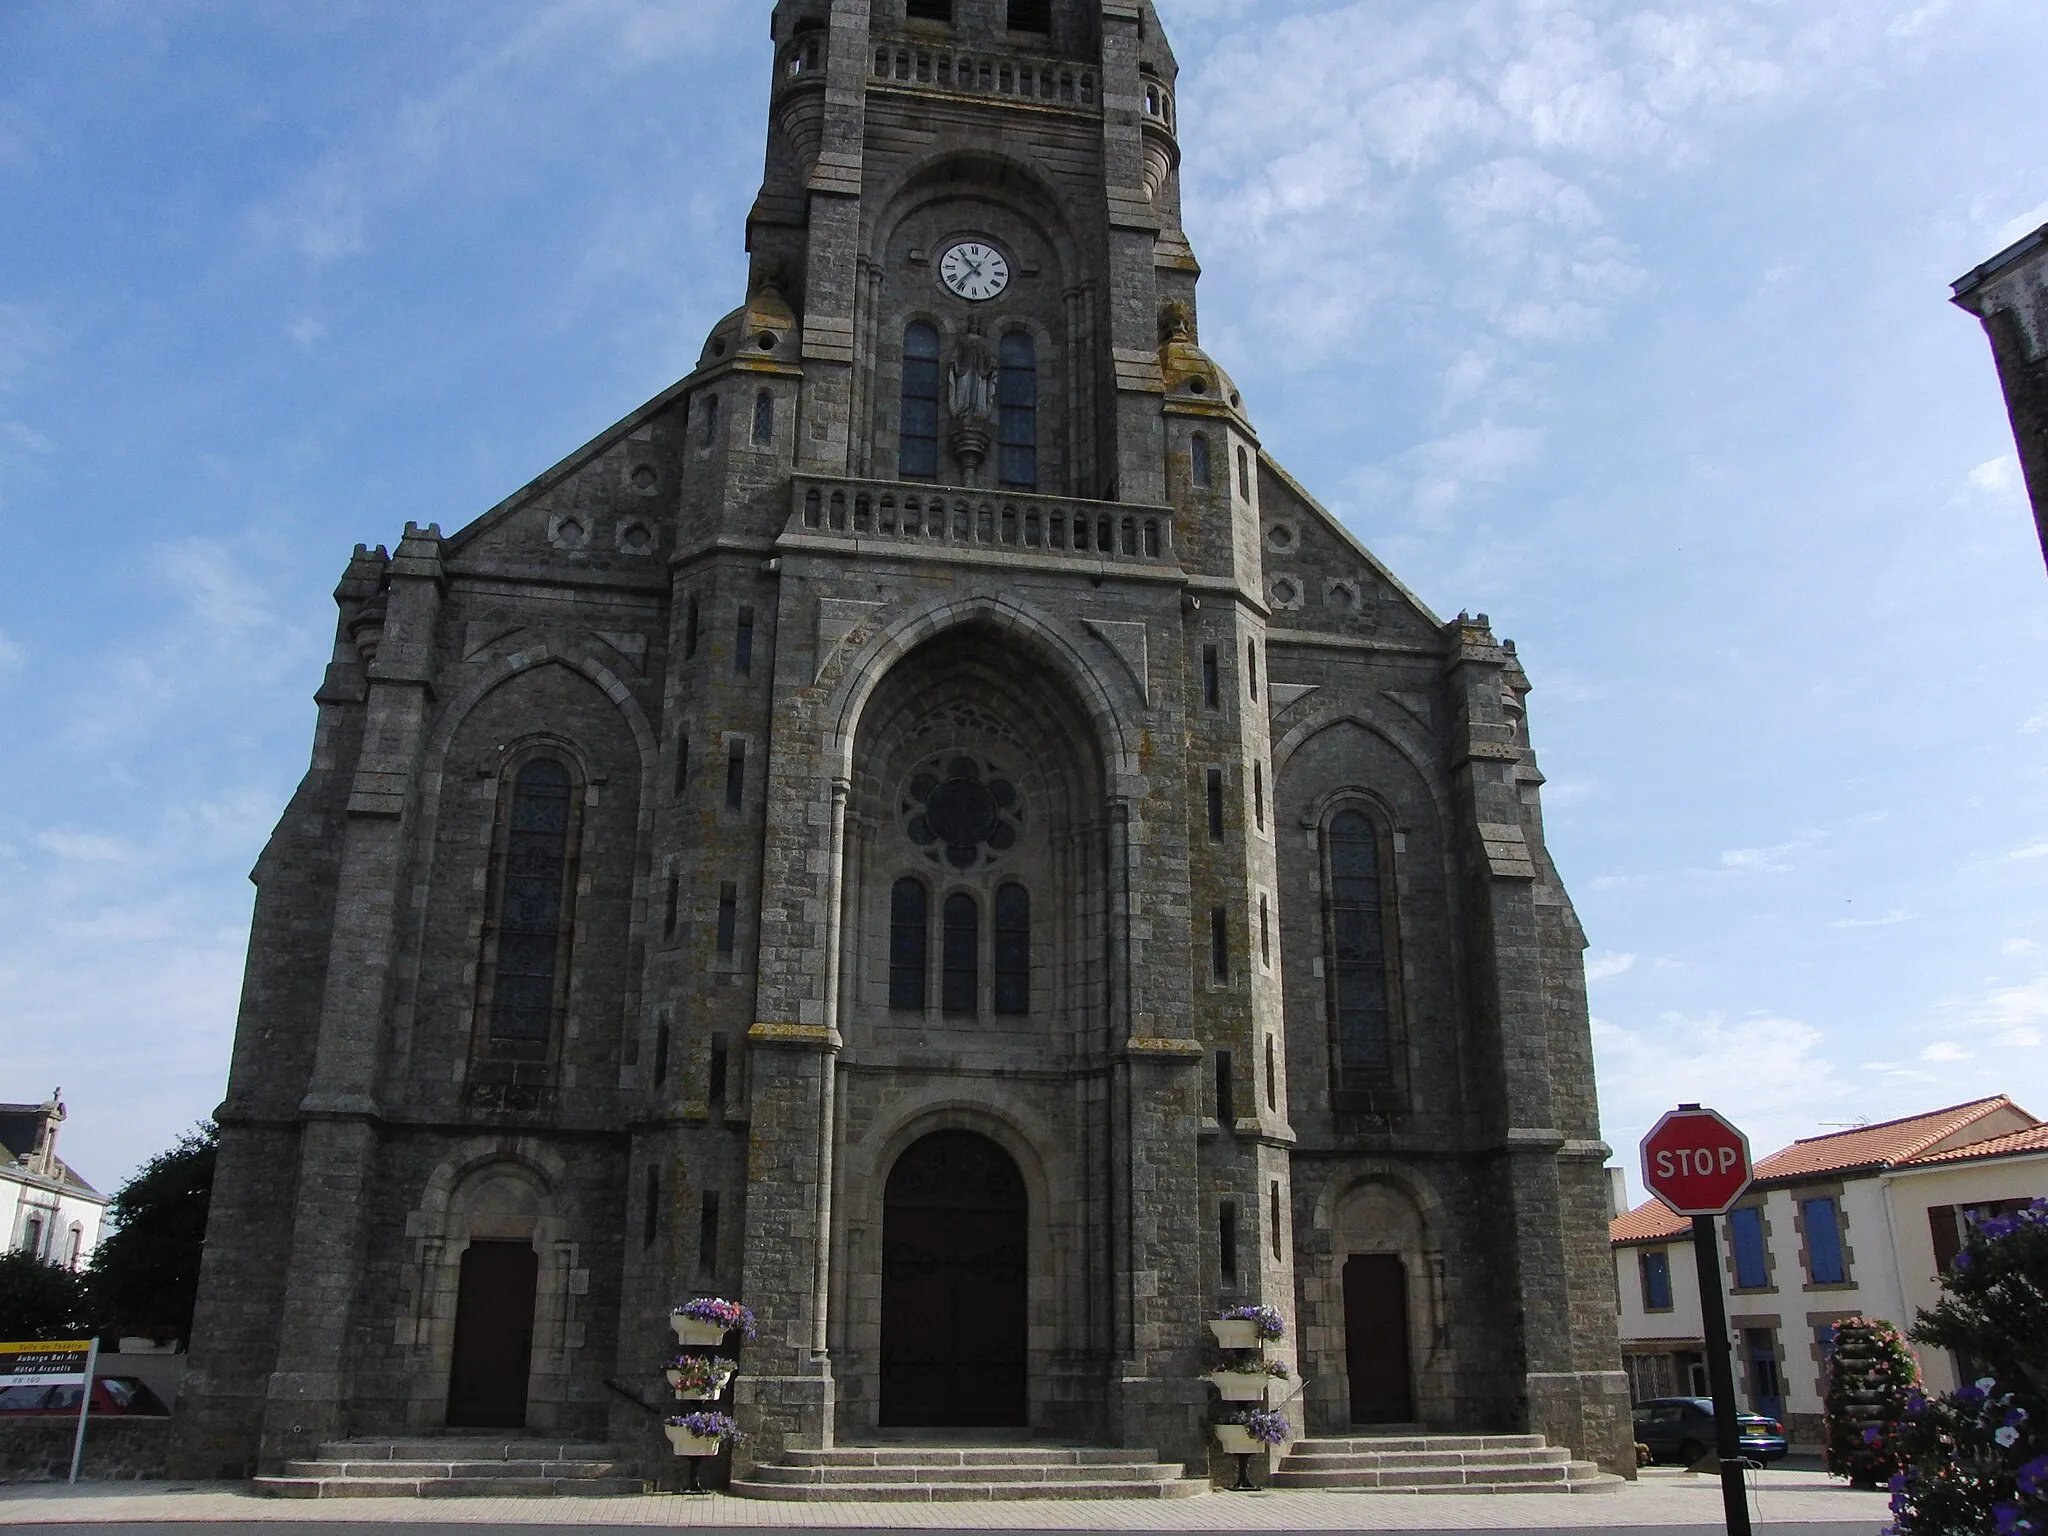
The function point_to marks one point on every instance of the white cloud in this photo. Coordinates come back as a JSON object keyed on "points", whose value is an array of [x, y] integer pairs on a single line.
{"points": [[1996, 476], [84, 847], [2017, 947], [1772, 858], [1894, 915], [1944, 1050], [1608, 965], [307, 332], [12, 659], [2034, 850]]}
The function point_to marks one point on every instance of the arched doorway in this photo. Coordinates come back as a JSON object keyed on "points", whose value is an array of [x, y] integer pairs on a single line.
{"points": [[954, 1235], [493, 1335]]}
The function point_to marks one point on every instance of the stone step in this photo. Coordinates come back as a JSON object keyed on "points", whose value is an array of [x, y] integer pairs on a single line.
{"points": [[288, 1487], [868, 1477], [1363, 1444], [426, 1469], [909, 1492], [970, 1456], [1391, 1461], [465, 1448], [1532, 1478]]}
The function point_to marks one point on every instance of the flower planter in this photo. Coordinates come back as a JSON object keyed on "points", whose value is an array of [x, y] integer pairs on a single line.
{"points": [[700, 1394], [1239, 1386], [1236, 1440], [1235, 1332], [683, 1443], [690, 1331]]}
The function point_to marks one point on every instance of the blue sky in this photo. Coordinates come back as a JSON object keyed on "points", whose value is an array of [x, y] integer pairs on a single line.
{"points": [[1625, 324]]}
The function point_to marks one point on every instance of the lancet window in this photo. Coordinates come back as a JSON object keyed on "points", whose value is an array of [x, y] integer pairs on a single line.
{"points": [[1361, 944], [533, 880], [917, 435], [1017, 410]]}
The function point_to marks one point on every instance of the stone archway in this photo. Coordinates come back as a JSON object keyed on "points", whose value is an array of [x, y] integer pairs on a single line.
{"points": [[955, 1229]]}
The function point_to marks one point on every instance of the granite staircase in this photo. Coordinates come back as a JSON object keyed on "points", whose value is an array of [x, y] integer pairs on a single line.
{"points": [[940, 1474], [452, 1466], [1426, 1463]]}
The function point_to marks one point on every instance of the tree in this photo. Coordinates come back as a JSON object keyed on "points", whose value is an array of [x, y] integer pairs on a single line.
{"points": [[1977, 1458], [1868, 1382], [40, 1301], [145, 1274]]}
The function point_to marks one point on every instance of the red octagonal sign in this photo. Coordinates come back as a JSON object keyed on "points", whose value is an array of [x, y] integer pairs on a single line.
{"points": [[1695, 1162]]}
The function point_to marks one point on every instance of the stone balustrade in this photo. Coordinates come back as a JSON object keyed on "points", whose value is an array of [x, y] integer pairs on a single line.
{"points": [[958, 517], [1064, 82]]}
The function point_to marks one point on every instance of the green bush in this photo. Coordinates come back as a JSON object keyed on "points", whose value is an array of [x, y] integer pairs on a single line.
{"points": [[1868, 1381], [40, 1301], [1976, 1460], [144, 1277]]}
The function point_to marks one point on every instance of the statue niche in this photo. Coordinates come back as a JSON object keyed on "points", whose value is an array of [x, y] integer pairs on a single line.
{"points": [[971, 384]]}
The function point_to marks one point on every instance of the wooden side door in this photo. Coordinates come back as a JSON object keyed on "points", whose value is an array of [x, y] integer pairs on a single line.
{"points": [[1376, 1339], [493, 1336]]}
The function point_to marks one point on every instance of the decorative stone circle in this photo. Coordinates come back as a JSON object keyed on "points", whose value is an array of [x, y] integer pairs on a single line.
{"points": [[962, 812]]}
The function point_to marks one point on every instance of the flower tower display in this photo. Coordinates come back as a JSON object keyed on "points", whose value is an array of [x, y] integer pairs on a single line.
{"points": [[1869, 1381], [700, 1376], [1246, 1424]]}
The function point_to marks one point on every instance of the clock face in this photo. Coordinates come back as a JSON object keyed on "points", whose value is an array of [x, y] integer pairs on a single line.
{"points": [[974, 271]]}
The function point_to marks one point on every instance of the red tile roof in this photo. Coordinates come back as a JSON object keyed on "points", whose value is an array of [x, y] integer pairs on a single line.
{"points": [[2033, 1139], [1879, 1146], [1651, 1221]]}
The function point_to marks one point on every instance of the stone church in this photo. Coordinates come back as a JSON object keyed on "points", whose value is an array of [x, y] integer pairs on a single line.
{"points": [[924, 828]]}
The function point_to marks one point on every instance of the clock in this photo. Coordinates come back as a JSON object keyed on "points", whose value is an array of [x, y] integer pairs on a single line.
{"points": [[974, 270]]}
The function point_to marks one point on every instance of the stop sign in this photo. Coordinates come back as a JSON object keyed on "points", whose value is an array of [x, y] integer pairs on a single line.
{"points": [[1695, 1162]]}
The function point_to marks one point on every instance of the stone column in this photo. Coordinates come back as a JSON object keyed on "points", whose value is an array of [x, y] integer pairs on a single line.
{"points": [[308, 1392]]}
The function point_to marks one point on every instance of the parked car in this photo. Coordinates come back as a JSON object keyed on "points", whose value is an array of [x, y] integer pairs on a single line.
{"points": [[110, 1394], [1681, 1429]]}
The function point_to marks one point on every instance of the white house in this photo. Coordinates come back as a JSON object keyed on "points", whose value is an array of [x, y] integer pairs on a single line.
{"points": [[45, 1208], [1858, 1222]]}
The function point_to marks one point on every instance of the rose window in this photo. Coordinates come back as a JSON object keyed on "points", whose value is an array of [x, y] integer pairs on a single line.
{"points": [[963, 812]]}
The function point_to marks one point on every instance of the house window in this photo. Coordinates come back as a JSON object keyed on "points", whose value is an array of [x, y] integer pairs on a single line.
{"points": [[959, 960], [1017, 410], [1655, 1265], [1746, 1234], [1198, 458], [661, 1038], [1012, 949], [670, 904], [1273, 1197], [917, 435], [1358, 959], [1272, 1077], [1251, 667], [714, 1086], [1822, 1220], [909, 933], [530, 900], [32, 1237], [682, 762]]}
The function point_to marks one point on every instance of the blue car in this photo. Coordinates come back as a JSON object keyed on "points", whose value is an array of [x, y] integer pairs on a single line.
{"points": [[1681, 1429]]}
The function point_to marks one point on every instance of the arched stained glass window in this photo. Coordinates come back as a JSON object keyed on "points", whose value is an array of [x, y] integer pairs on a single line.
{"points": [[1013, 949], [1358, 937], [959, 956], [530, 903], [917, 438], [909, 934], [1017, 410]]}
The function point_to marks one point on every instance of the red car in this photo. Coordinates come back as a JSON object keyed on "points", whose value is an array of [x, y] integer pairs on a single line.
{"points": [[110, 1394]]}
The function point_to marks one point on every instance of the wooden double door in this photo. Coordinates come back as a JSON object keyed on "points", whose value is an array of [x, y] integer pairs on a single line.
{"points": [[955, 1235]]}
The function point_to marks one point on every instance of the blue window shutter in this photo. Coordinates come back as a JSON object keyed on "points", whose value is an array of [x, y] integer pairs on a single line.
{"points": [[1823, 1241], [1656, 1280], [1746, 1224]]}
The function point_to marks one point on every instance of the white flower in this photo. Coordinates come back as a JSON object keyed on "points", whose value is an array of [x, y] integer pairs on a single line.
{"points": [[2007, 1436], [1986, 1383]]}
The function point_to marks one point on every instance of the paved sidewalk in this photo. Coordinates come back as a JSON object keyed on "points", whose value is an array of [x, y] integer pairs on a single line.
{"points": [[1789, 1502]]}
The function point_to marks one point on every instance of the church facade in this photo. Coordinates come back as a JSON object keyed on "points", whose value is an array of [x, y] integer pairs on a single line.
{"points": [[925, 829]]}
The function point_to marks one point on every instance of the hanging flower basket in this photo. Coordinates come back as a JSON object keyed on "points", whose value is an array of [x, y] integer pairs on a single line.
{"points": [[1236, 1440], [699, 1434], [708, 1319], [1234, 1333], [700, 1376]]}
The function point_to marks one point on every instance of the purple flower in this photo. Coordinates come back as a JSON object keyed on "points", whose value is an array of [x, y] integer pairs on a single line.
{"points": [[1916, 1400], [2010, 1521], [2033, 1477], [1963, 1260], [1873, 1435], [1969, 1394], [1897, 1482]]}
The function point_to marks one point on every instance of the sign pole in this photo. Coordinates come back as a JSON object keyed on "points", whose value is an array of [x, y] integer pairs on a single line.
{"points": [[92, 1355], [1721, 1375]]}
